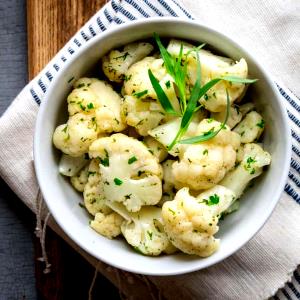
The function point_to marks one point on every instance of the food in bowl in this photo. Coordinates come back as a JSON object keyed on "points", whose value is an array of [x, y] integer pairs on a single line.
{"points": [[162, 146]]}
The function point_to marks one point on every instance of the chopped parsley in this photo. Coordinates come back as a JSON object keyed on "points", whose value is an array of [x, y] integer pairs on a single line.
{"points": [[138, 250], [91, 173], [131, 160], [70, 79], [168, 84], [212, 200], [205, 152], [127, 196], [172, 211], [81, 205], [90, 106], [80, 85], [105, 161], [65, 129], [140, 94], [124, 56], [118, 181], [150, 234], [126, 78], [210, 120], [261, 124], [140, 173]]}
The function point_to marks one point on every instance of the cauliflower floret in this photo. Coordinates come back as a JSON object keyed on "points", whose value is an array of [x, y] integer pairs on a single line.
{"points": [[203, 165], [190, 223], [75, 137], [93, 194], [168, 183], [94, 108], [144, 231], [98, 98], [234, 118], [213, 66], [116, 63], [142, 115], [156, 148], [130, 173], [251, 127], [70, 166], [235, 115], [139, 84], [166, 132], [107, 225], [254, 159], [245, 108], [80, 179]]}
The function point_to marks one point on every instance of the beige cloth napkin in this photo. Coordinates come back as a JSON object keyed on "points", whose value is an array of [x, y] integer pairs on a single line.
{"points": [[269, 30]]}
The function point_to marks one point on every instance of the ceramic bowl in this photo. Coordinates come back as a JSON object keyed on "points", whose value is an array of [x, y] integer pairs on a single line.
{"points": [[62, 200]]}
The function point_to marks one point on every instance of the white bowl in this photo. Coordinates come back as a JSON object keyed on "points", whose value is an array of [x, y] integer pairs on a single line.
{"points": [[62, 200]]}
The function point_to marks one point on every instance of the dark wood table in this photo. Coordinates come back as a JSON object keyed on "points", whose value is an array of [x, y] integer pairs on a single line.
{"points": [[50, 24]]}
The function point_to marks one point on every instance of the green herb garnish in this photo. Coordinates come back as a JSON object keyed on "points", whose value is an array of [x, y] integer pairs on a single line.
{"points": [[140, 94], [105, 161], [65, 129], [118, 181], [162, 97], [261, 124], [172, 211], [150, 234], [131, 160], [212, 200], [211, 133], [177, 68], [205, 152], [90, 106]]}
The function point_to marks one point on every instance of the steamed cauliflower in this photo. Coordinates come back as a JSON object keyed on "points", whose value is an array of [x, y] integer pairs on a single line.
{"points": [[93, 194], [169, 183], [190, 223], [70, 166], [94, 108], [251, 127], [130, 173], [236, 114], [161, 195], [166, 132], [116, 63], [156, 148], [80, 179], [139, 84], [203, 165], [140, 106], [142, 115], [107, 225], [251, 166], [212, 66], [75, 137], [144, 230]]}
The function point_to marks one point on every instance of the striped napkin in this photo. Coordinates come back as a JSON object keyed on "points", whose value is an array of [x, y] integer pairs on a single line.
{"points": [[266, 266]]}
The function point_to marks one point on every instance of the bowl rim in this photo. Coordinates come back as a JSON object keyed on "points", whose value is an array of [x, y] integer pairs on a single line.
{"points": [[43, 107]]}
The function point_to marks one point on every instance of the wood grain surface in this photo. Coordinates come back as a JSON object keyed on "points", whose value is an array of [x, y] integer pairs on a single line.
{"points": [[50, 24]]}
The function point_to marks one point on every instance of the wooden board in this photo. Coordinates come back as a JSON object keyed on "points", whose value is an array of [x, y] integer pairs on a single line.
{"points": [[50, 24]]}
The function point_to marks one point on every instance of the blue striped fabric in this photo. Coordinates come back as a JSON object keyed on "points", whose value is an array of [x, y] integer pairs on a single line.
{"points": [[118, 12]]}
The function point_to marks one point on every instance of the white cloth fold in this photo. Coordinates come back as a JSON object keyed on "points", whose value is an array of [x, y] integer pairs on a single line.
{"points": [[268, 261]]}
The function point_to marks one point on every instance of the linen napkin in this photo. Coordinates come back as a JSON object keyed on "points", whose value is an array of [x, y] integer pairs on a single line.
{"points": [[270, 259]]}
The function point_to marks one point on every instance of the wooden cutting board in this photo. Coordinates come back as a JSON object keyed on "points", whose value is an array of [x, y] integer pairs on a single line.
{"points": [[50, 24]]}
